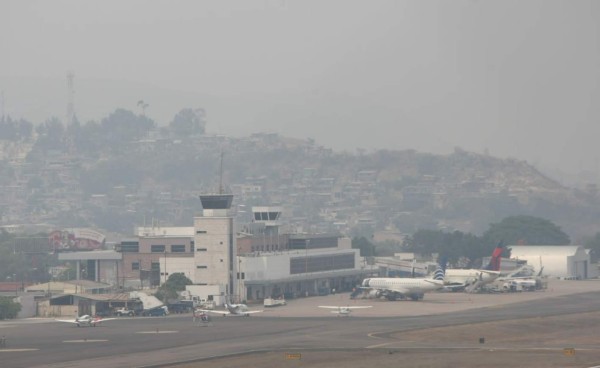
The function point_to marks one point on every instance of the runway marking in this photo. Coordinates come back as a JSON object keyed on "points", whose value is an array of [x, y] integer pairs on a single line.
{"points": [[15, 350], [378, 345], [84, 340], [372, 334], [157, 332]]}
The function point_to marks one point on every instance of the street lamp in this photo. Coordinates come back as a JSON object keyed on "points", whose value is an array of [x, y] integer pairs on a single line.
{"points": [[165, 265]]}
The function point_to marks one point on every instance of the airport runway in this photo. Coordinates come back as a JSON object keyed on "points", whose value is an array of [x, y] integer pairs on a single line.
{"points": [[155, 341]]}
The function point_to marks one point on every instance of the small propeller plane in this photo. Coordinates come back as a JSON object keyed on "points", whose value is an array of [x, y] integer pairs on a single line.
{"points": [[233, 310], [86, 320], [343, 311]]}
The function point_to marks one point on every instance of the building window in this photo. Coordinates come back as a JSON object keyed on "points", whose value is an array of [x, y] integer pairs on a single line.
{"points": [[157, 248], [201, 266], [200, 231], [135, 266], [322, 263], [177, 248], [128, 247], [155, 266], [201, 249]]}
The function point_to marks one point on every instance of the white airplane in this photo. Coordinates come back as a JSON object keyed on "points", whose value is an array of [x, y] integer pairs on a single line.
{"points": [[472, 279], [86, 320], [343, 311], [402, 288], [234, 310], [466, 279]]}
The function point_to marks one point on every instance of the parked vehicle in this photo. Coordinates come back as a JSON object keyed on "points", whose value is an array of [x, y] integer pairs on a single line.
{"points": [[124, 312], [270, 302], [157, 312]]}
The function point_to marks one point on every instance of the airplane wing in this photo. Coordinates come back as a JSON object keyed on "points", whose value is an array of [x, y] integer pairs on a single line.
{"points": [[66, 320], [221, 312], [455, 287], [399, 290], [345, 307], [253, 311], [98, 320]]}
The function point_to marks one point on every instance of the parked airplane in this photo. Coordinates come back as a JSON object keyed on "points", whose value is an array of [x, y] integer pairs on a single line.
{"points": [[520, 279], [343, 311], [472, 279], [402, 288], [233, 309], [86, 320]]}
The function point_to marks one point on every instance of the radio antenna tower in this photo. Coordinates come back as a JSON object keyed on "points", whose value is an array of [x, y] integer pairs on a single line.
{"points": [[221, 175], [2, 105], [70, 97]]}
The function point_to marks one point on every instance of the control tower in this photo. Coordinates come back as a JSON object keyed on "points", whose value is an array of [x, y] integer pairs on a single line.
{"points": [[214, 243], [265, 220]]}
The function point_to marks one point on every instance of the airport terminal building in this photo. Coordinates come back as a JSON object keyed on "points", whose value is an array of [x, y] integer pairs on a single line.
{"points": [[250, 265]]}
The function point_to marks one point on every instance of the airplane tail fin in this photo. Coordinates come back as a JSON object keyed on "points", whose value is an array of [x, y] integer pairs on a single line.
{"points": [[440, 271], [494, 264]]}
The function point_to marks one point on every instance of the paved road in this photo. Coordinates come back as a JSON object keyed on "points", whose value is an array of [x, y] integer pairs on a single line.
{"points": [[152, 341]]}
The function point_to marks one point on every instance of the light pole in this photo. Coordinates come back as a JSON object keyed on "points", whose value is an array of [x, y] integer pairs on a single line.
{"points": [[306, 243], [141, 274], [239, 278], [16, 285], [165, 265]]}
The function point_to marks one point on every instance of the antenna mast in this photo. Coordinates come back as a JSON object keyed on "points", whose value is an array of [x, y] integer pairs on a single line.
{"points": [[221, 175], [70, 97]]}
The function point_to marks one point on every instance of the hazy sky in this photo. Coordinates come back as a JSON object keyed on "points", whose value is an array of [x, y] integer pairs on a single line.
{"points": [[519, 78]]}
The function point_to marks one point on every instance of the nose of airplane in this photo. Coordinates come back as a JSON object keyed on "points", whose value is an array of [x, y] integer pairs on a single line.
{"points": [[365, 283]]}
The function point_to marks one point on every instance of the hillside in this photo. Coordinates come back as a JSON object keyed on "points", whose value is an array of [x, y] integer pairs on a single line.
{"points": [[115, 182]]}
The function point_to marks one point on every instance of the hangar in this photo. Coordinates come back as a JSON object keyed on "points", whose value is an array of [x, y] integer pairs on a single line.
{"points": [[570, 261]]}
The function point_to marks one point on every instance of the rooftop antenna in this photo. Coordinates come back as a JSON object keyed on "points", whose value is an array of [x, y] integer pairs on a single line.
{"points": [[221, 175], [70, 97], [2, 105]]}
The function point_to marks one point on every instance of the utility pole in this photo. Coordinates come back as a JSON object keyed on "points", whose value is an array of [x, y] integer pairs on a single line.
{"points": [[141, 274], [165, 265]]}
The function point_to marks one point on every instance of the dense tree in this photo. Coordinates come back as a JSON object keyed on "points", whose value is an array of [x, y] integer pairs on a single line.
{"points": [[526, 230], [15, 130], [123, 126], [188, 122], [462, 249], [8, 308], [367, 249], [175, 283], [51, 135]]}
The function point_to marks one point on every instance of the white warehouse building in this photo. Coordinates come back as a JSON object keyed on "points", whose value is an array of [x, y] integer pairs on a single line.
{"points": [[556, 260]]}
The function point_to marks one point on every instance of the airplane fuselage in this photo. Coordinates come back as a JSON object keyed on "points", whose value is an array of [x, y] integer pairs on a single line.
{"points": [[467, 276], [402, 287]]}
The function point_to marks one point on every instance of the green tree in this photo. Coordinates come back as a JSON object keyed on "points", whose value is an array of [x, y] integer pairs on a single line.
{"points": [[176, 282], [188, 122], [123, 126], [367, 249], [8, 308], [456, 246], [526, 230]]}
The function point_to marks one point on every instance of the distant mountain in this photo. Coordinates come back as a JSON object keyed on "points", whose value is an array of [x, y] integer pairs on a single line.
{"points": [[65, 178]]}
